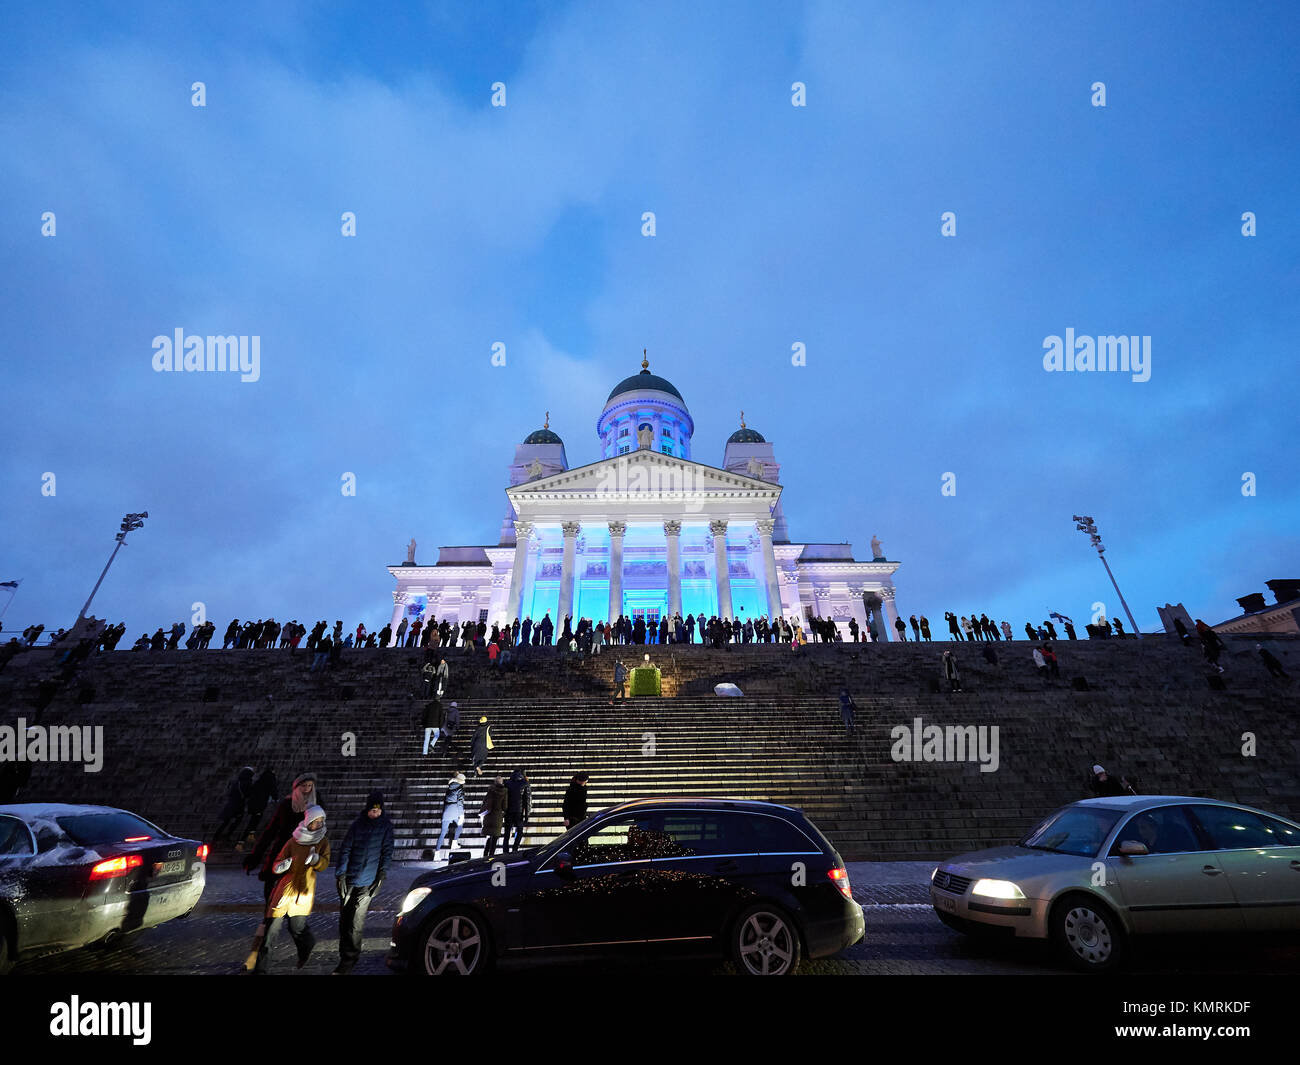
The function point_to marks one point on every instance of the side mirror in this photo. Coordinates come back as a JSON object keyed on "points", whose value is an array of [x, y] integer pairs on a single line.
{"points": [[1131, 847], [564, 866]]}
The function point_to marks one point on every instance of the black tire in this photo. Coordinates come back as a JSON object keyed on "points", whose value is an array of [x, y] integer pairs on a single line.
{"points": [[764, 941], [1088, 935], [454, 942]]}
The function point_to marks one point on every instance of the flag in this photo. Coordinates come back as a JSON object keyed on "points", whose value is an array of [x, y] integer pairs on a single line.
{"points": [[1061, 618], [9, 584]]}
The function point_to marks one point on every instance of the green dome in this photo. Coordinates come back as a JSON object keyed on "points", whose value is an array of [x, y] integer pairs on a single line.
{"points": [[746, 436], [643, 381], [543, 436]]}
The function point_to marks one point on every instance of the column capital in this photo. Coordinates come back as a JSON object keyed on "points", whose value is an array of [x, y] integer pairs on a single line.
{"points": [[399, 597], [571, 529], [886, 595], [765, 526], [672, 528], [523, 529], [617, 528], [718, 527]]}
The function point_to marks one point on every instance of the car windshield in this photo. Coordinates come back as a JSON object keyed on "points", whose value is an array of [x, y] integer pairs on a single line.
{"points": [[1077, 830], [112, 826]]}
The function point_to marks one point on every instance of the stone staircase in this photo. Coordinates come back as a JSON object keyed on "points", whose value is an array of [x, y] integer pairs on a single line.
{"points": [[177, 725]]}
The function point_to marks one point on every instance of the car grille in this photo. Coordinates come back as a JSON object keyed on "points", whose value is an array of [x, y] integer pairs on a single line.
{"points": [[952, 882]]}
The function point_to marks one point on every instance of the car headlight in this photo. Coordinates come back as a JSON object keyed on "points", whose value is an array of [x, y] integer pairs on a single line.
{"points": [[413, 898], [997, 889], [932, 872]]}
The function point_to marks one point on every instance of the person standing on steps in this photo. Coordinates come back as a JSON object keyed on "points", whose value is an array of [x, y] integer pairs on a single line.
{"points": [[442, 678], [1271, 663], [620, 681], [519, 804], [453, 812], [575, 800], [492, 814], [259, 796], [950, 672], [916, 628], [287, 817], [362, 866], [432, 723], [480, 745], [236, 802], [1103, 785], [925, 628], [295, 866], [847, 710], [450, 723]]}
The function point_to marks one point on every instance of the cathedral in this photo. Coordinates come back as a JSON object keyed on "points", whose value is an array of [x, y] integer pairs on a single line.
{"points": [[646, 530]]}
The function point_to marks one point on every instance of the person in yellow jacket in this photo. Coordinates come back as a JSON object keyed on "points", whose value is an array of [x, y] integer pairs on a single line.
{"points": [[304, 856]]}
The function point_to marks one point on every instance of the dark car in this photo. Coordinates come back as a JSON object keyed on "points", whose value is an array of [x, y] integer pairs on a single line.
{"points": [[753, 881], [75, 875]]}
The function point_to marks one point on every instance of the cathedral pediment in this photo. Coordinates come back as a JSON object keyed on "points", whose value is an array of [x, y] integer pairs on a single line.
{"points": [[644, 475]]}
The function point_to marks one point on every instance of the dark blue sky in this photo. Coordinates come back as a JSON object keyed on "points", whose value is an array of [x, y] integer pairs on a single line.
{"points": [[521, 224]]}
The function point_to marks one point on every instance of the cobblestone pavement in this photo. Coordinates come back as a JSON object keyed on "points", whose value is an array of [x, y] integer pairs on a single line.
{"points": [[903, 937]]}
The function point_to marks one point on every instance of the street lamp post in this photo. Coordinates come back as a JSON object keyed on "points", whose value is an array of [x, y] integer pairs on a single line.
{"points": [[1087, 525], [129, 523]]}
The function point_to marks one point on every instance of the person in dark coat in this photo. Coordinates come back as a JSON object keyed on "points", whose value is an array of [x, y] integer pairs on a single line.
{"points": [[1102, 784], [264, 789], [287, 817], [575, 800], [950, 672], [431, 720], [479, 746], [1270, 661], [1181, 629], [519, 804], [359, 872], [493, 814], [236, 801], [847, 710]]}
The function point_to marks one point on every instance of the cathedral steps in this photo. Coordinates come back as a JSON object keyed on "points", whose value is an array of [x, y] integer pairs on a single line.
{"points": [[178, 724]]}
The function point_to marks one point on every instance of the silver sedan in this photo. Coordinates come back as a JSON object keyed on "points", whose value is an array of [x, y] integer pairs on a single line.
{"points": [[1094, 873]]}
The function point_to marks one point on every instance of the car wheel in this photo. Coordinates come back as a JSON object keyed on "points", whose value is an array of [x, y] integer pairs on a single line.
{"points": [[1088, 934], [455, 944], [765, 942]]}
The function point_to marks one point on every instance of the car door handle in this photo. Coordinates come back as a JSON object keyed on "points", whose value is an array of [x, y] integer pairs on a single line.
{"points": [[1211, 870]]}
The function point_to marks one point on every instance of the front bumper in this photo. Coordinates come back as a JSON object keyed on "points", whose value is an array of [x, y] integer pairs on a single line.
{"points": [[1026, 918]]}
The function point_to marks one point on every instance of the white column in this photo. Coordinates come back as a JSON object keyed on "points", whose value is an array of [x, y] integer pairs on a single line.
{"points": [[722, 574], [891, 614], [523, 530], [616, 532], [399, 605], [859, 610], [673, 531], [765, 527], [565, 609]]}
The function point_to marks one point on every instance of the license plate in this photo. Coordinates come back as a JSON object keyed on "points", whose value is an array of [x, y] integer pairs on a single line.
{"points": [[947, 904], [168, 868]]}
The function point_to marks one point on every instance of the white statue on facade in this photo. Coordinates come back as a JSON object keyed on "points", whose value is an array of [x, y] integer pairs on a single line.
{"points": [[534, 469], [645, 438], [876, 550], [755, 468], [410, 551]]}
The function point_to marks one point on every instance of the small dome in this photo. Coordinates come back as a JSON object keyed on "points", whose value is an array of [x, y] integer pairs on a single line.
{"points": [[543, 436], [642, 382], [746, 436]]}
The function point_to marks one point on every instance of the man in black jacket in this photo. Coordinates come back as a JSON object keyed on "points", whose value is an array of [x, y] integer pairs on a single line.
{"points": [[575, 800], [287, 817], [361, 866], [519, 804]]}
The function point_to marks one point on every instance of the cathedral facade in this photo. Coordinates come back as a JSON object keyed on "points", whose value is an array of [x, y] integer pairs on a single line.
{"points": [[644, 531]]}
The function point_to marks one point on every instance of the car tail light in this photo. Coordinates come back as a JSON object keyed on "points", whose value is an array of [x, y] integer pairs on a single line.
{"points": [[840, 877], [203, 852], [112, 867], [137, 839]]}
